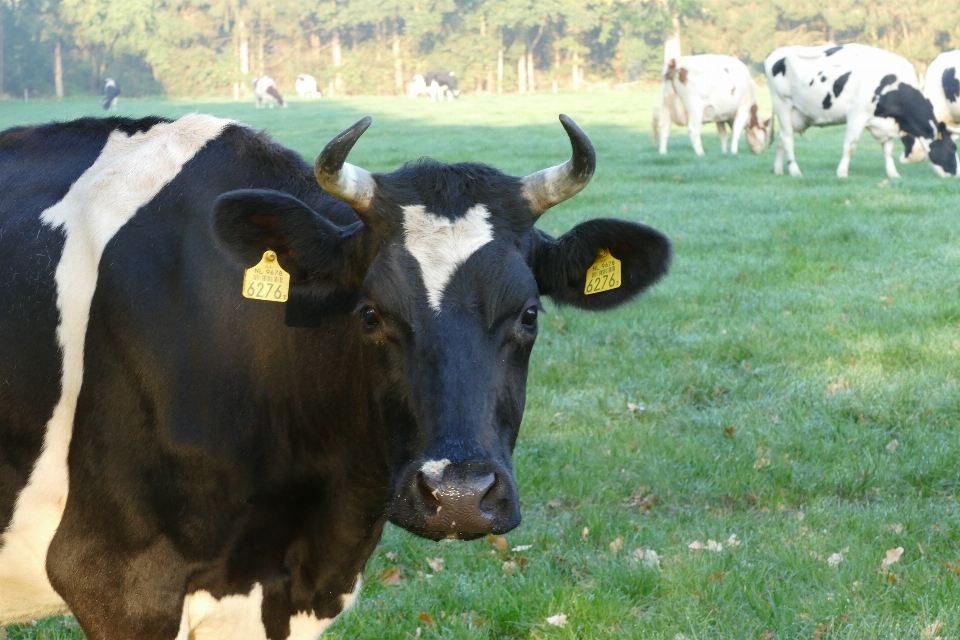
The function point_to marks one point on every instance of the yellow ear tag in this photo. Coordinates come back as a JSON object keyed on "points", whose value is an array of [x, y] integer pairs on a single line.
{"points": [[603, 275], [266, 280]]}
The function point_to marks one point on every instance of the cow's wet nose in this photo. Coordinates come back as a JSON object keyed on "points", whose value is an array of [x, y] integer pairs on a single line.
{"points": [[467, 500]]}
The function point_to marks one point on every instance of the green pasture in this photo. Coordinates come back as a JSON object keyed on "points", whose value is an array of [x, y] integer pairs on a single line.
{"points": [[792, 382]]}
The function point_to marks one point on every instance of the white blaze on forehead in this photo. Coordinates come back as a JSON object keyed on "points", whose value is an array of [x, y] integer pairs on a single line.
{"points": [[129, 172], [440, 246], [434, 468]]}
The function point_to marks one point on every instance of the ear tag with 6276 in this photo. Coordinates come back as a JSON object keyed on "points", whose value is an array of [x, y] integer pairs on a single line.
{"points": [[603, 275], [266, 280]]}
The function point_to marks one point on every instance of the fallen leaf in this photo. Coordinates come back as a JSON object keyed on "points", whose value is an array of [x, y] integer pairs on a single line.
{"points": [[501, 543], [893, 556], [714, 546], [390, 577], [896, 527], [634, 408], [886, 299], [931, 630], [763, 458], [715, 577], [833, 387], [522, 547], [509, 567], [585, 533], [883, 183], [696, 545], [822, 629], [835, 559], [556, 503], [892, 578], [436, 564], [729, 431], [893, 445], [766, 635], [559, 620], [732, 541], [391, 556], [616, 545], [426, 618]]}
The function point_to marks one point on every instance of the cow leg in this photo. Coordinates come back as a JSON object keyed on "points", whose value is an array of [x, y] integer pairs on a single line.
{"points": [[694, 124], [739, 123], [722, 132], [888, 159], [854, 129], [783, 110], [666, 121], [885, 132]]}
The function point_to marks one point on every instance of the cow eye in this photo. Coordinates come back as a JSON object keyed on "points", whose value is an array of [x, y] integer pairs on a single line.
{"points": [[529, 318], [369, 316]]}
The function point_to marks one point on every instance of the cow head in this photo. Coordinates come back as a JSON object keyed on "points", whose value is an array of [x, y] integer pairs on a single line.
{"points": [[914, 115], [447, 272], [759, 134]]}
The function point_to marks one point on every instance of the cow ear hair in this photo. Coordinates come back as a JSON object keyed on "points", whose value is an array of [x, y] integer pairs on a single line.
{"points": [[309, 247], [560, 265]]}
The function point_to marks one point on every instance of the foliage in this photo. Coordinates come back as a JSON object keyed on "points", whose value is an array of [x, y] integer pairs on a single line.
{"points": [[196, 47], [793, 381]]}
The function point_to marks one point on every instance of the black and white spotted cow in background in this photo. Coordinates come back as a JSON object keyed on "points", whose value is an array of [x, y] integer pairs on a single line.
{"points": [[709, 88], [265, 92], [180, 462], [942, 87], [111, 94], [862, 86], [439, 85]]}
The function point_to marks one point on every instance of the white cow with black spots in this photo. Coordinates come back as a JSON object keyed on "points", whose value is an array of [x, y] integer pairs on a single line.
{"points": [[709, 88], [942, 87], [816, 86]]}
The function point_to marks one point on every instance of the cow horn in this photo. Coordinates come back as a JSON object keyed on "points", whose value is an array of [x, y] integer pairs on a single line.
{"points": [[552, 186], [339, 178]]}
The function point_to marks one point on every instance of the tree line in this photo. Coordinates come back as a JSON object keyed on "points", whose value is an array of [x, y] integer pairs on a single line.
{"points": [[215, 47]]}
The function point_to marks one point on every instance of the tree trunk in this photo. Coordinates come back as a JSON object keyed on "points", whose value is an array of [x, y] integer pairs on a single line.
{"points": [[337, 60], [315, 45], [244, 48], [522, 73], [576, 72], [260, 47], [531, 84], [58, 70], [397, 60], [500, 63], [94, 69]]}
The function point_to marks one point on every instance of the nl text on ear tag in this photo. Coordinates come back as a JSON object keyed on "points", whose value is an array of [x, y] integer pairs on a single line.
{"points": [[266, 280], [603, 275]]}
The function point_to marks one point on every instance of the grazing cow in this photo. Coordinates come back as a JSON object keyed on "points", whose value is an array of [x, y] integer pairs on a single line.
{"points": [[306, 86], [180, 462], [440, 85], [859, 85], [111, 94], [265, 92], [709, 88]]}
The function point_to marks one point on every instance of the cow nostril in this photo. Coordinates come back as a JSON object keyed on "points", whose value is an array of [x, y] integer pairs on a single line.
{"points": [[429, 489]]}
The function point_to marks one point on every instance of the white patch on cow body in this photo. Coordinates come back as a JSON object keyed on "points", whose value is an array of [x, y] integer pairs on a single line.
{"points": [[229, 618], [434, 468], [440, 246], [129, 172], [347, 599]]}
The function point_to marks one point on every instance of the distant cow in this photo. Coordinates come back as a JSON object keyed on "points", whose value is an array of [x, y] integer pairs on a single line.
{"points": [[859, 85], [111, 94], [178, 461], [306, 86], [709, 88], [266, 93], [942, 87], [437, 84]]}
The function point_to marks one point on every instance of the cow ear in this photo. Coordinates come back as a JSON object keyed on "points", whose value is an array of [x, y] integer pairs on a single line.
{"points": [[309, 247], [560, 265]]}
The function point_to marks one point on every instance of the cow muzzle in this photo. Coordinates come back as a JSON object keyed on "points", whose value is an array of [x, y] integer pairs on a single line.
{"points": [[466, 500]]}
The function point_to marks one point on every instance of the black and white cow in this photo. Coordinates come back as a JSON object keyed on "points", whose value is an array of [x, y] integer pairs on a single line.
{"points": [[942, 87], [180, 462], [862, 86], [111, 94], [439, 85], [265, 92]]}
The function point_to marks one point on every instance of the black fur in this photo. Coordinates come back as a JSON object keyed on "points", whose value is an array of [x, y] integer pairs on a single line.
{"points": [[780, 67], [832, 50], [827, 101], [943, 151], [908, 142], [840, 83], [912, 111], [885, 81], [951, 84]]}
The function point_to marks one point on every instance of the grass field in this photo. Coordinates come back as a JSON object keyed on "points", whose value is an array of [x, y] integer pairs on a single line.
{"points": [[793, 382]]}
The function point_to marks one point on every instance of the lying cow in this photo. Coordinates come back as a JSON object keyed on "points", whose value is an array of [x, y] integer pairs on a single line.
{"points": [[180, 461], [859, 85], [306, 86], [111, 94], [709, 88], [265, 92]]}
